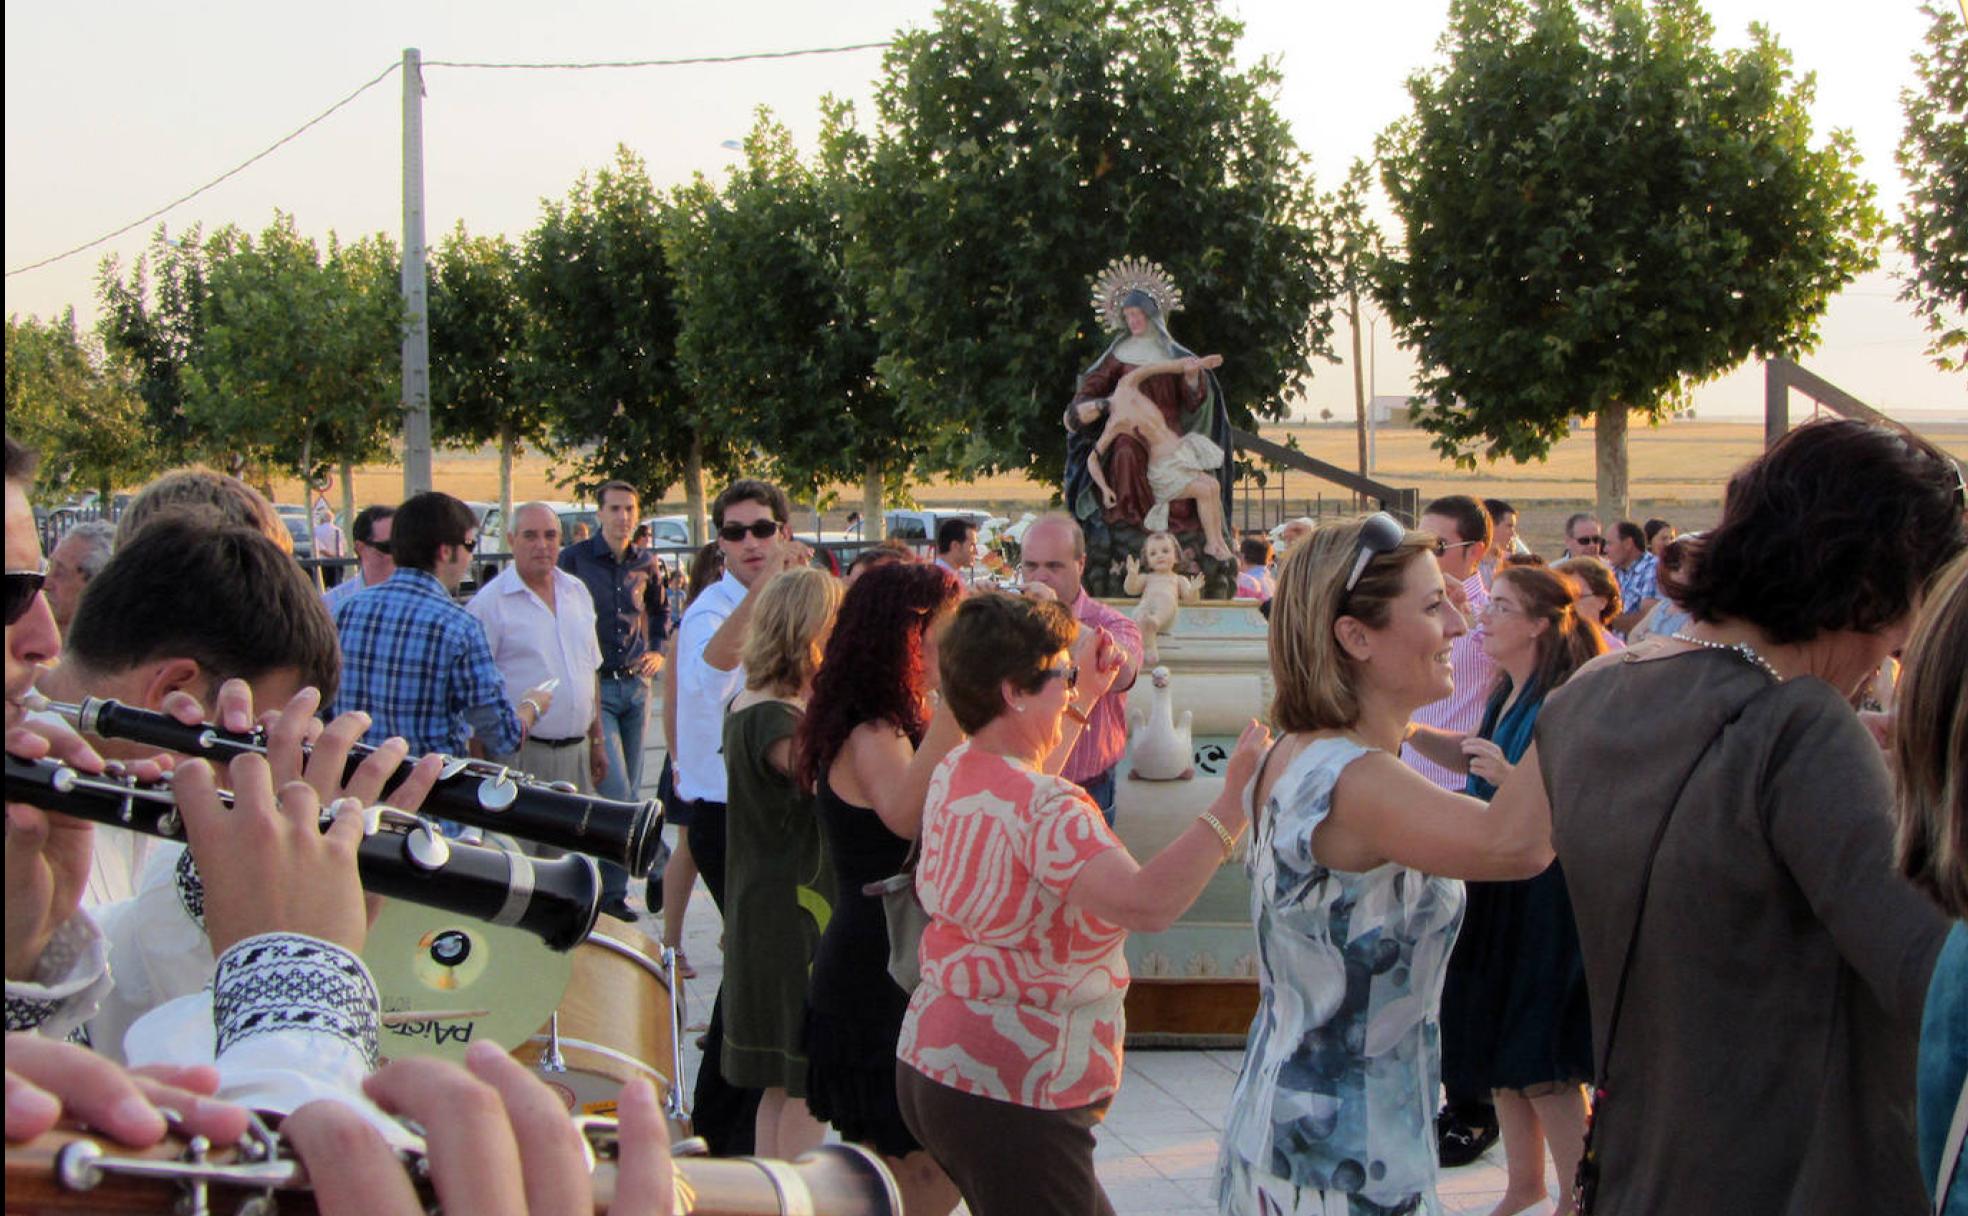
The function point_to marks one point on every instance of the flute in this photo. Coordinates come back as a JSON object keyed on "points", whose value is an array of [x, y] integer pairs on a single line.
{"points": [[66, 1171], [407, 858], [485, 795]]}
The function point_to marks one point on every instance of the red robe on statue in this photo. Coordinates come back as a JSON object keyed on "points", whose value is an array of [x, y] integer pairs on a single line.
{"points": [[1126, 461]]}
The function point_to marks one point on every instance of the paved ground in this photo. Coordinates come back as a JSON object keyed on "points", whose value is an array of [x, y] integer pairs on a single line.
{"points": [[1157, 1149]]}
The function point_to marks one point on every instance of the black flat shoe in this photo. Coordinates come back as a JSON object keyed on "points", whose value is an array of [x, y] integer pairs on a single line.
{"points": [[1460, 1143], [619, 909]]}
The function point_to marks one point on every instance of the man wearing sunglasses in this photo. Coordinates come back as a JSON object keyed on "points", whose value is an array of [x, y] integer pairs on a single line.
{"points": [[371, 534], [1583, 537], [414, 660]]}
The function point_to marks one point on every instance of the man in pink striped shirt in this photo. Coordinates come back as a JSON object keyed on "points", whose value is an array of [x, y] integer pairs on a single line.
{"points": [[1463, 531], [1051, 560]]}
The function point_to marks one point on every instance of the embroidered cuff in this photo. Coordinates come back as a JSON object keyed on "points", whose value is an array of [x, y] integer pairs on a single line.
{"points": [[191, 889], [69, 981], [283, 981]]}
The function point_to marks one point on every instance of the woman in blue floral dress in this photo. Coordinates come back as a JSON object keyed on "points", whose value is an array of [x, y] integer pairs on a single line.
{"points": [[1354, 895]]}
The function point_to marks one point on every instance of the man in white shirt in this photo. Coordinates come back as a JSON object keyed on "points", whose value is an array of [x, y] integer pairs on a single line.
{"points": [[540, 623], [956, 547], [329, 542], [374, 562], [750, 520]]}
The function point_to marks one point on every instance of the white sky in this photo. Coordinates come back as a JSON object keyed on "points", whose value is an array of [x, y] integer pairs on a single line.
{"points": [[114, 109]]}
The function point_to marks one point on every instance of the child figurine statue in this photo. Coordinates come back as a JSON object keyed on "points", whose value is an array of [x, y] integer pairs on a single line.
{"points": [[1161, 589]]}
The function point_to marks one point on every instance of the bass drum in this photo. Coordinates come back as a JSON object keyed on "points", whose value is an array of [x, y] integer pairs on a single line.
{"points": [[448, 981], [618, 1021]]}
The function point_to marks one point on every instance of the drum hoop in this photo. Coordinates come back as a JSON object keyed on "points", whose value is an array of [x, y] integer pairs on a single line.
{"points": [[620, 1057], [624, 950]]}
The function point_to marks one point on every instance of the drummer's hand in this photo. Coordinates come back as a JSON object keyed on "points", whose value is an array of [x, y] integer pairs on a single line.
{"points": [[48, 1081], [497, 1141], [266, 864]]}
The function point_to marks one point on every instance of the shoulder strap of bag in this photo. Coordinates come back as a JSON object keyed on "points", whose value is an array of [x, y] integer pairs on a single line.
{"points": [[1951, 1155]]}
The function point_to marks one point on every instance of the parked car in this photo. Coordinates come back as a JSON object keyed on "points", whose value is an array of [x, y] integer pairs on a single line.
{"points": [[300, 525], [668, 530], [919, 527]]}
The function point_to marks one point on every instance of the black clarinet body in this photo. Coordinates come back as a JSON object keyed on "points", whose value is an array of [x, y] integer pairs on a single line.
{"points": [[479, 793], [407, 858]]}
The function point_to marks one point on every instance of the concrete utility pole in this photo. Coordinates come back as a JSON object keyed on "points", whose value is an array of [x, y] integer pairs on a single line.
{"points": [[416, 304]]}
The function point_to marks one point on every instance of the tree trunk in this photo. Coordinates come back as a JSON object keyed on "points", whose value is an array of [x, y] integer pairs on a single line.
{"points": [[693, 489], [871, 503], [348, 495], [307, 474], [1359, 387], [1609, 445], [507, 442]]}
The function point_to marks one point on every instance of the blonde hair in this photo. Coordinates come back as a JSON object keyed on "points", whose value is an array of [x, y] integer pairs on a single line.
{"points": [[1931, 746], [790, 623], [1315, 678], [196, 487]]}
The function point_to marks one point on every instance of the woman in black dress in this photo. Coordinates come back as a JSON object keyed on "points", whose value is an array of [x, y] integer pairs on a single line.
{"points": [[1514, 996], [867, 747]]}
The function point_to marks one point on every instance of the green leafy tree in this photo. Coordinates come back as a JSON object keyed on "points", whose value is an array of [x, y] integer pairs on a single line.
{"points": [[153, 320], [1021, 147], [478, 352], [299, 365], [769, 316], [1933, 158], [80, 408], [1602, 209], [602, 338]]}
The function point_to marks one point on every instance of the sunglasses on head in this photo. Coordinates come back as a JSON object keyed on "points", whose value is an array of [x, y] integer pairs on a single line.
{"points": [[761, 529], [22, 587], [1442, 546], [1381, 533]]}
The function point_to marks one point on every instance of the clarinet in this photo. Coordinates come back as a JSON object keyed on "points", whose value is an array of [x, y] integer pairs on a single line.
{"points": [[475, 792], [407, 858], [69, 1171]]}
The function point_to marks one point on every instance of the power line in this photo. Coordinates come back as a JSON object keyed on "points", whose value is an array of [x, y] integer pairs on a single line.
{"points": [[659, 63], [288, 138], [432, 63]]}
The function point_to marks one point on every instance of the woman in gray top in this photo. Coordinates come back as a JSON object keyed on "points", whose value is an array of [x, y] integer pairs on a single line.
{"points": [[1756, 968]]}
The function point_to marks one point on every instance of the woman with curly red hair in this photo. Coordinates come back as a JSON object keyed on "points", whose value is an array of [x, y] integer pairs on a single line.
{"points": [[867, 747]]}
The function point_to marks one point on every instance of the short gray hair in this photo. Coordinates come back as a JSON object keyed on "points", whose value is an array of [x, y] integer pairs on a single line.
{"points": [[97, 539]]}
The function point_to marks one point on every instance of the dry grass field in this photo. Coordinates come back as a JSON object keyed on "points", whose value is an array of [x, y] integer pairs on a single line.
{"points": [[1678, 471]]}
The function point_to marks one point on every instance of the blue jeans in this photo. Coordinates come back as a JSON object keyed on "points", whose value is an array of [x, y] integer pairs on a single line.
{"points": [[1101, 789], [624, 713]]}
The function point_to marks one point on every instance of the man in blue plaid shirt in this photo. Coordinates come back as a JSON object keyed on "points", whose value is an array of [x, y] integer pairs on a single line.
{"points": [[414, 660]]}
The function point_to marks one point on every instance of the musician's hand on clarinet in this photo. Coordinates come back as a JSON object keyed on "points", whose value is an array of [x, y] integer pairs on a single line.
{"points": [[497, 1141], [266, 864], [48, 1081], [324, 759]]}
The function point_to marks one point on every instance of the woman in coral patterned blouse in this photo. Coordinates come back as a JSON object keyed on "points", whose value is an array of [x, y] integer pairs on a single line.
{"points": [[1011, 1048]]}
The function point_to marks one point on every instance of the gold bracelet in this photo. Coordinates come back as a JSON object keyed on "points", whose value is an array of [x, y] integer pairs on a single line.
{"points": [[1214, 824]]}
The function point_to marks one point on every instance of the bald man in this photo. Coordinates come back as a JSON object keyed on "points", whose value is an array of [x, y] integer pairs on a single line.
{"points": [[540, 623]]}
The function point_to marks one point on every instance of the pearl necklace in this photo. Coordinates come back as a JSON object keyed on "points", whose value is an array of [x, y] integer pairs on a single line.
{"points": [[1742, 650]]}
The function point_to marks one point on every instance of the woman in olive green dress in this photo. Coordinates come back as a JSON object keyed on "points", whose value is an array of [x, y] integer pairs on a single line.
{"points": [[776, 875]]}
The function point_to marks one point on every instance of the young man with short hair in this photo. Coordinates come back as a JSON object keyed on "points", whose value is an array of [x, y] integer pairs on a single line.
{"points": [[956, 547], [1638, 572], [416, 662], [373, 564]]}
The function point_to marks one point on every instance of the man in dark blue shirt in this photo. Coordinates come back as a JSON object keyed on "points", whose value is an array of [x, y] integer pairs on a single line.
{"points": [[630, 618]]}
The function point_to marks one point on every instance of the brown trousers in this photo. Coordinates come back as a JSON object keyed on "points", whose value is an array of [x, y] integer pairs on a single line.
{"points": [[1008, 1160]]}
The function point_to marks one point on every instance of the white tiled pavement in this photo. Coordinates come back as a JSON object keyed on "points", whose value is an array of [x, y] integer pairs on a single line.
{"points": [[1156, 1152]]}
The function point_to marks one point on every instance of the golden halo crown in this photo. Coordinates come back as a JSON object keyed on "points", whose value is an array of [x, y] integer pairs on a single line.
{"points": [[1124, 275]]}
